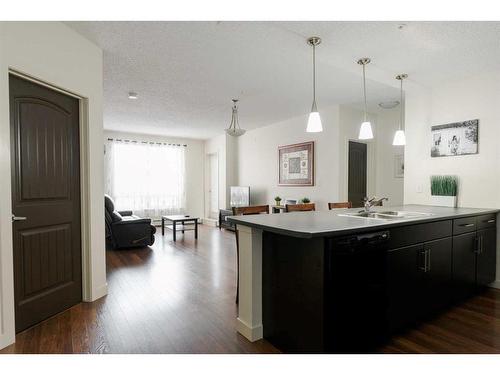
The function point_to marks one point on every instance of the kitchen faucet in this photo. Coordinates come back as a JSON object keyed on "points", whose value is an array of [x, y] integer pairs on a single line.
{"points": [[369, 203]]}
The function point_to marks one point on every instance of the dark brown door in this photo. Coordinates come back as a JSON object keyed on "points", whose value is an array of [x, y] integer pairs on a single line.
{"points": [[357, 173], [46, 191]]}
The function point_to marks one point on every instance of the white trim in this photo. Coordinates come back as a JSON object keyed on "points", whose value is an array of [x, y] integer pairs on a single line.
{"points": [[495, 284], [251, 333], [249, 321]]}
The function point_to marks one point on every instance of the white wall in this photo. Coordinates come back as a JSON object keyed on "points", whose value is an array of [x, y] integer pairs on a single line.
{"points": [[476, 97], [473, 98], [194, 165], [387, 122], [258, 159], [53, 53]]}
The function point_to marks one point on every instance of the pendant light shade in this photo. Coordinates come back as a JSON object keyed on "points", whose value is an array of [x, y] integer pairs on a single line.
{"points": [[314, 122], [234, 129], [365, 131], [399, 137]]}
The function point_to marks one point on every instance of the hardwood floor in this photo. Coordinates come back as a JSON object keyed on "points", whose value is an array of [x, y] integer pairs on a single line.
{"points": [[179, 298]]}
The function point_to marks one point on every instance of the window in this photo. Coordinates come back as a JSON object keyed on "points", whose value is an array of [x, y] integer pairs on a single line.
{"points": [[148, 178]]}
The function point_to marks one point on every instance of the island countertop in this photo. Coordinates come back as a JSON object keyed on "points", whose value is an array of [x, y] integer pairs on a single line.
{"points": [[328, 223]]}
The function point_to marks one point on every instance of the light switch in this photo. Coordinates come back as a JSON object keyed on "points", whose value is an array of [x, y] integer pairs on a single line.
{"points": [[420, 188]]}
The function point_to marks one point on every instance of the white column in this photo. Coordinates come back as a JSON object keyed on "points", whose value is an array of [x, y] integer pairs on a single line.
{"points": [[249, 322]]}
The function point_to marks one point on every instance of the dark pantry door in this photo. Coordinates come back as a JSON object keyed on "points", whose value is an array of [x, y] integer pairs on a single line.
{"points": [[45, 156], [357, 173]]}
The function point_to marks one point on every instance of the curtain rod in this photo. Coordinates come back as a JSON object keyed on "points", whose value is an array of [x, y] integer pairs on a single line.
{"points": [[146, 142]]}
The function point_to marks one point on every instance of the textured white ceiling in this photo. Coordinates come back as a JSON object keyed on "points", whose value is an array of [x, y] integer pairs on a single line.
{"points": [[187, 72]]}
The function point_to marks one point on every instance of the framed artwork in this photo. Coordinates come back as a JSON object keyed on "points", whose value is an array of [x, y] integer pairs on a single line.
{"points": [[399, 166], [458, 138], [296, 164]]}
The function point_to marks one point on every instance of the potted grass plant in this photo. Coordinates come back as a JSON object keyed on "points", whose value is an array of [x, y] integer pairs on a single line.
{"points": [[444, 190], [277, 199], [306, 200]]}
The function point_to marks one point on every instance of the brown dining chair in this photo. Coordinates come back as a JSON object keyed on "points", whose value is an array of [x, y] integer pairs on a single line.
{"points": [[300, 207], [339, 205], [246, 210]]}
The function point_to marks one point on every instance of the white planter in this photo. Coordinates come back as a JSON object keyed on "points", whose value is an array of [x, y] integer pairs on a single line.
{"points": [[444, 200]]}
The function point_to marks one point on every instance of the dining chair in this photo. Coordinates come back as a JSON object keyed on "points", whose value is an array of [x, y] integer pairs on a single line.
{"points": [[246, 210], [300, 207], [339, 205]]}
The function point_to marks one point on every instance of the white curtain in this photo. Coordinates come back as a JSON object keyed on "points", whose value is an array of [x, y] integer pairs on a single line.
{"points": [[147, 178]]}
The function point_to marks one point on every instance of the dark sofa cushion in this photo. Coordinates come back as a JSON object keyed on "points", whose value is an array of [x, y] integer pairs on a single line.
{"points": [[115, 216]]}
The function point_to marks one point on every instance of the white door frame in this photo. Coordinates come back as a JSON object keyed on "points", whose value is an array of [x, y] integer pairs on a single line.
{"points": [[7, 321], [209, 183]]}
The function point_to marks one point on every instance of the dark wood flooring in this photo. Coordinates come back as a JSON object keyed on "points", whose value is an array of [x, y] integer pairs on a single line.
{"points": [[179, 298]]}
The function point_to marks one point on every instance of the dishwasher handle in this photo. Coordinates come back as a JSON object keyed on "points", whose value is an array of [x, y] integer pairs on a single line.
{"points": [[359, 242]]}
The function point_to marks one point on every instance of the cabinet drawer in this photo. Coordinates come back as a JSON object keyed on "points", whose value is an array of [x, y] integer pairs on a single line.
{"points": [[486, 221], [464, 225], [417, 233]]}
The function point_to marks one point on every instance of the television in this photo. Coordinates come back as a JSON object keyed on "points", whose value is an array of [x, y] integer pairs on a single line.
{"points": [[240, 196]]}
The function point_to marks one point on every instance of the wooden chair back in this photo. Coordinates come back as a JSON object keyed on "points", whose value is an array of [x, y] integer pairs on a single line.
{"points": [[339, 205], [251, 210], [300, 207]]}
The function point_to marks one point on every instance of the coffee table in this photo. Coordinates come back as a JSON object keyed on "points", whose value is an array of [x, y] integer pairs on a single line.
{"points": [[179, 224]]}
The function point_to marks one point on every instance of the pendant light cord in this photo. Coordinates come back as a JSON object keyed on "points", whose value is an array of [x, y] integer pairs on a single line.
{"points": [[364, 90], [401, 106], [314, 79]]}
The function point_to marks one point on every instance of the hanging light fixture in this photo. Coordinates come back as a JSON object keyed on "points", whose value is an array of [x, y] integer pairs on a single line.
{"points": [[234, 128], [365, 131], [314, 122], [399, 137]]}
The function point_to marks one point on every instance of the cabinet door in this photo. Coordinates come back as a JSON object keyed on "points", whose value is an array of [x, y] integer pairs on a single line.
{"points": [[487, 257], [436, 280], [402, 285], [464, 265]]}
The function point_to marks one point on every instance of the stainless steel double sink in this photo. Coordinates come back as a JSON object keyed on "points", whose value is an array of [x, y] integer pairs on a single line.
{"points": [[387, 215]]}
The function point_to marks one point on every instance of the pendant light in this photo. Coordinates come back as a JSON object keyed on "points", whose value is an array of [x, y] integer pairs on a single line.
{"points": [[314, 122], [365, 131], [234, 128], [399, 137]]}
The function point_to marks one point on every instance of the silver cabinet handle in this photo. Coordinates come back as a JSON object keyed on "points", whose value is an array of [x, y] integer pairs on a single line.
{"points": [[18, 218], [428, 260], [467, 225], [424, 268], [490, 221]]}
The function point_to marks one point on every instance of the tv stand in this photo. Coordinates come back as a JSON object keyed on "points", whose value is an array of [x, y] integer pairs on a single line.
{"points": [[223, 223]]}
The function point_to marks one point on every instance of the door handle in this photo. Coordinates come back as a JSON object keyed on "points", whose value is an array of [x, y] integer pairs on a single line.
{"points": [[18, 218]]}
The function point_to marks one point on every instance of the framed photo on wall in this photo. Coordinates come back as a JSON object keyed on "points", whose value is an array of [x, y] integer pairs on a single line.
{"points": [[458, 138], [296, 164]]}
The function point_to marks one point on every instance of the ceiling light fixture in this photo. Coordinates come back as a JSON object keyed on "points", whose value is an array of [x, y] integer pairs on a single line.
{"points": [[365, 131], [389, 104], [132, 95], [399, 137], [314, 122], [234, 128]]}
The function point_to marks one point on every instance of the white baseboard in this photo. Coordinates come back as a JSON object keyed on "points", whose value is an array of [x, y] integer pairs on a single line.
{"points": [[251, 333], [495, 284], [211, 222], [98, 292]]}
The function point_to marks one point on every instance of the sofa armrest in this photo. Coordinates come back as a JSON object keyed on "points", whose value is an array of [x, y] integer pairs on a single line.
{"points": [[126, 213]]}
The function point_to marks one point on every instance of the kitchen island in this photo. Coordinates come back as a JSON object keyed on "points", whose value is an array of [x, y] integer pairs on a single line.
{"points": [[328, 281]]}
